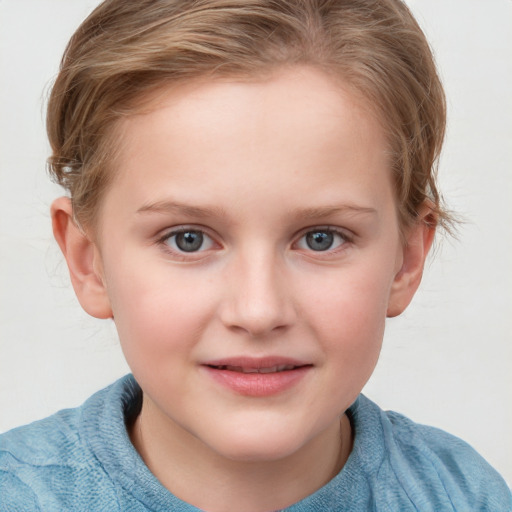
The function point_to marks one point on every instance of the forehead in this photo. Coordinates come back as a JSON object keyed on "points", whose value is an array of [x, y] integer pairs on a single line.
{"points": [[283, 130]]}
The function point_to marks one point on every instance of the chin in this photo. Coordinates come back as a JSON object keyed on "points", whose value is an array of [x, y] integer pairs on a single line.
{"points": [[258, 444], [259, 452]]}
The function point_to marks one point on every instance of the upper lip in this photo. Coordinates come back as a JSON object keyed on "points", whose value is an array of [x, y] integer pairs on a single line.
{"points": [[256, 364]]}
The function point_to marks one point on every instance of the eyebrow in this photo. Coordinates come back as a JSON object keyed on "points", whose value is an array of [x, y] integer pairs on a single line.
{"points": [[183, 208], [166, 206], [329, 211]]}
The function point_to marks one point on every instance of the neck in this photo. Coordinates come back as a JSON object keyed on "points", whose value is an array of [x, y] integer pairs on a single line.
{"points": [[199, 476]]}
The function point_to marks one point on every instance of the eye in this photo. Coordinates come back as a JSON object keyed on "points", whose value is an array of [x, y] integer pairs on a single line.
{"points": [[321, 240], [188, 240]]}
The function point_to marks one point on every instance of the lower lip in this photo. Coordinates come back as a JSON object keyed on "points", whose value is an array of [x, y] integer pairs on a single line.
{"points": [[258, 384]]}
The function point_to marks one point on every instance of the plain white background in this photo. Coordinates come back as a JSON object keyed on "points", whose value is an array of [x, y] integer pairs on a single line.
{"points": [[446, 361]]}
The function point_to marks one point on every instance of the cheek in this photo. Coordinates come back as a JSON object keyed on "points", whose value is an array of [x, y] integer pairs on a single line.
{"points": [[350, 318], [158, 314]]}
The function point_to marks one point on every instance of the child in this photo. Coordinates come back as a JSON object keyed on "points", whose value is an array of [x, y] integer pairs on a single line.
{"points": [[252, 193]]}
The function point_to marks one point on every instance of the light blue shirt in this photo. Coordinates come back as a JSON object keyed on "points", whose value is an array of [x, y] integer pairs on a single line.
{"points": [[82, 460]]}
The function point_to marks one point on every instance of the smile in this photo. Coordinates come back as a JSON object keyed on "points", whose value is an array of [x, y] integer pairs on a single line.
{"points": [[269, 369], [257, 377]]}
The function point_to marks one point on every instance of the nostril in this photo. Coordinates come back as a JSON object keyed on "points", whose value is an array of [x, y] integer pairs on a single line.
{"points": [[258, 329], [257, 300]]}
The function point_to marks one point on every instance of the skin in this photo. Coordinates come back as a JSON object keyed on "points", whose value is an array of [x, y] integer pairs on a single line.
{"points": [[255, 165]]}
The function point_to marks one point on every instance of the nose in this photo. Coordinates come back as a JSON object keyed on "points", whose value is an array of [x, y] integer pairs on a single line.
{"points": [[259, 299]]}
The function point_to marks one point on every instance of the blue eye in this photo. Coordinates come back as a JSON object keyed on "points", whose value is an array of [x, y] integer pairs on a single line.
{"points": [[189, 240], [319, 240]]}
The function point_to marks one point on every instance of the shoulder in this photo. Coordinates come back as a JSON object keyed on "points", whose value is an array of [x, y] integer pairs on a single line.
{"points": [[26, 450], [49, 464], [435, 467], [36, 457], [43, 440]]}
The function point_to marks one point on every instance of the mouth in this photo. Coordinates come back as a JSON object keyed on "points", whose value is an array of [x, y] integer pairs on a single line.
{"points": [[268, 369], [257, 377]]}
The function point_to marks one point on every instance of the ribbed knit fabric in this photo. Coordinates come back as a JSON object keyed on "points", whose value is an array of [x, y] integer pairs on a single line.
{"points": [[82, 460]]}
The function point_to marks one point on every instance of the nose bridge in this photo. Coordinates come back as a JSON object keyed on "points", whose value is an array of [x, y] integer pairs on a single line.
{"points": [[258, 300]]}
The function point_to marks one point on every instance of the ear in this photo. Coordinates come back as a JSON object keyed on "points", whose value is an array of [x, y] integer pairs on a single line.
{"points": [[83, 259], [417, 243]]}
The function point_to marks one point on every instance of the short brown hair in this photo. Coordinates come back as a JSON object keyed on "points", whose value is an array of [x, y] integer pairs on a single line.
{"points": [[128, 48]]}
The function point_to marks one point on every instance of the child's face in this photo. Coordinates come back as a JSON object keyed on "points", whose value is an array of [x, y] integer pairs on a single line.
{"points": [[251, 224]]}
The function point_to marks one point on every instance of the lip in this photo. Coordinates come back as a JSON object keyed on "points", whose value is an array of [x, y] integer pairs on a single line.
{"points": [[257, 377]]}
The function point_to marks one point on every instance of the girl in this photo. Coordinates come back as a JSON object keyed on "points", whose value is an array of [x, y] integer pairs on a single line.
{"points": [[252, 192]]}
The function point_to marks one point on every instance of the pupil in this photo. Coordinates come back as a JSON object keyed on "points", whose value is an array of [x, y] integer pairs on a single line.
{"points": [[189, 241], [319, 240]]}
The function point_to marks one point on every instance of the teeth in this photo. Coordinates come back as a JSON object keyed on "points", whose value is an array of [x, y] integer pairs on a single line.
{"points": [[270, 369], [249, 370]]}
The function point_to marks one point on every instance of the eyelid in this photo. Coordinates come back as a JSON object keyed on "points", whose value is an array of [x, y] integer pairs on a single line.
{"points": [[168, 233], [343, 233], [180, 228], [165, 234]]}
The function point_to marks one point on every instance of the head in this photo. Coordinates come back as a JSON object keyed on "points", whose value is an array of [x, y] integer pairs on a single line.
{"points": [[252, 184], [125, 51]]}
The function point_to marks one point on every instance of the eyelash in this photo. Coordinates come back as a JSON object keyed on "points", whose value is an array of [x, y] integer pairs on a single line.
{"points": [[163, 241], [345, 239], [198, 254]]}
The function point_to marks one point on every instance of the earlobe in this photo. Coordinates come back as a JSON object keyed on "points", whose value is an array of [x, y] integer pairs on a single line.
{"points": [[418, 242], [83, 259]]}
